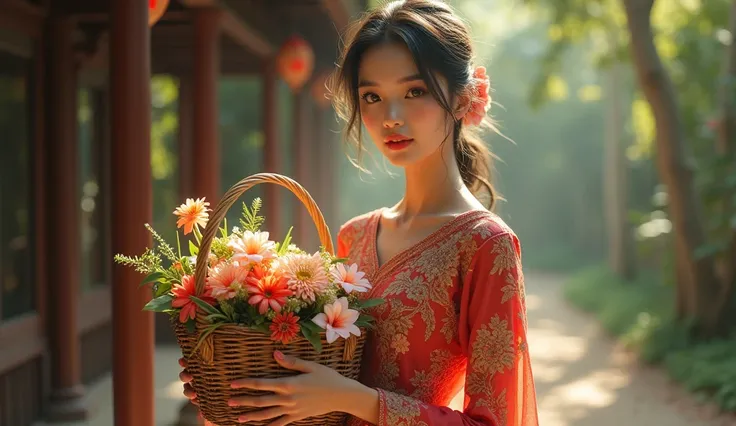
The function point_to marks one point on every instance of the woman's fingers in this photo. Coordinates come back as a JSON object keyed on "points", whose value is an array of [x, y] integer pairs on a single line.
{"points": [[185, 377], [183, 362], [259, 401], [189, 391], [268, 413]]}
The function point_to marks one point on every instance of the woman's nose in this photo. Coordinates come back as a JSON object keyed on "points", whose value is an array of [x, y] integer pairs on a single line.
{"points": [[393, 118]]}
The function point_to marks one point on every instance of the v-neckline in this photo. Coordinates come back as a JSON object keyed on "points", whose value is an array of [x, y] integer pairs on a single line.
{"points": [[407, 253]]}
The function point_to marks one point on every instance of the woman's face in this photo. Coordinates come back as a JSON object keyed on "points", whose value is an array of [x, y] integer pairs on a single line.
{"points": [[402, 117]]}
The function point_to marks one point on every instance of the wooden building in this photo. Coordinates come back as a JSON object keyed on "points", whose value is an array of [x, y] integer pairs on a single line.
{"points": [[67, 314]]}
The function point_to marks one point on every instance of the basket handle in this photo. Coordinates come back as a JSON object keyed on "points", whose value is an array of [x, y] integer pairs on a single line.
{"points": [[232, 195]]}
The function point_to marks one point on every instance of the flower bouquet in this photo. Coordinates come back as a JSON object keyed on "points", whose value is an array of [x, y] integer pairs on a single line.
{"points": [[238, 296]]}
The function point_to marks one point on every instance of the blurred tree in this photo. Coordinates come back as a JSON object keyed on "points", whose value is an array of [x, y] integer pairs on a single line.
{"points": [[675, 68]]}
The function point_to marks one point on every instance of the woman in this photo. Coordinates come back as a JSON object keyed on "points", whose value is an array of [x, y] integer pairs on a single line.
{"points": [[449, 269]]}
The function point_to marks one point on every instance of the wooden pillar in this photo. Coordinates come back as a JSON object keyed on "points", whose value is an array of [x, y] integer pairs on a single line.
{"points": [[304, 235], [133, 335], [331, 151], [321, 191], [271, 163], [206, 143], [67, 393], [185, 137]]}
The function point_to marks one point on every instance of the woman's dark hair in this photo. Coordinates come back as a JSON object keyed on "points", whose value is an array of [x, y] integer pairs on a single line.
{"points": [[439, 42]]}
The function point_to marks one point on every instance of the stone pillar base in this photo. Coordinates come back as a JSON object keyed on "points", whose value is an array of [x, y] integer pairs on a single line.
{"points": [[67, 405]]}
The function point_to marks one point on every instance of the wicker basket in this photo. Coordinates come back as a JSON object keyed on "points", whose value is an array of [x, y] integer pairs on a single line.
{"points": [[233, 352]]}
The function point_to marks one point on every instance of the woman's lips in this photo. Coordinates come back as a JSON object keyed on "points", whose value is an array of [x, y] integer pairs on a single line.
{"points": [[397, 141]]}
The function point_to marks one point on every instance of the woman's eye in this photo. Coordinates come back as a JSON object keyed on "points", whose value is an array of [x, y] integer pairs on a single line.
{"points": [[415, 93], [370, 97]]}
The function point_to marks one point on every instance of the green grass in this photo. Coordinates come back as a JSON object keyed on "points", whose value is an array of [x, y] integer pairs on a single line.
{"points": [[640, 314]]}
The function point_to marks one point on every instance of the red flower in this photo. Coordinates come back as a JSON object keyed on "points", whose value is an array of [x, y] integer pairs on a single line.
{"points": [[284, 328], [270, 290], [182, 300]]}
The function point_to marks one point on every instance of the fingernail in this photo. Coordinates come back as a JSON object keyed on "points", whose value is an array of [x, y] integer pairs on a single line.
{"points": [[242, 419], [231, 403], [278, 355]]}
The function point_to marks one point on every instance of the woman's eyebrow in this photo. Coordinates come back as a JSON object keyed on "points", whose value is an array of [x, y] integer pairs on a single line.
{"points": [[413, 77]]}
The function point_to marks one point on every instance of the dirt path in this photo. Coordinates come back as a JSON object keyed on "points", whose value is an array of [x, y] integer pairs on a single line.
{"points": [[584, 379]]}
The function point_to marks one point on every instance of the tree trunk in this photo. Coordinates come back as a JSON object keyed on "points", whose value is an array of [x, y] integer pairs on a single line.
{"points": [[615, 180], [697, 274], [725, 146]]}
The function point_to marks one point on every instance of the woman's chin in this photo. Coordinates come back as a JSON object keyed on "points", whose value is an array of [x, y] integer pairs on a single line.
{"points": [[400, 159]]}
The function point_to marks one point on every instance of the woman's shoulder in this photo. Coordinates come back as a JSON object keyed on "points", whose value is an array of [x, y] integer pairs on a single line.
{"points": [[490, 229], [356, 226]]}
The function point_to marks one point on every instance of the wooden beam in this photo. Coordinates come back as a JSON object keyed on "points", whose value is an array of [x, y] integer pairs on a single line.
{"points": [[236, 28], [340, 12], [23, 17], [233, 26]]}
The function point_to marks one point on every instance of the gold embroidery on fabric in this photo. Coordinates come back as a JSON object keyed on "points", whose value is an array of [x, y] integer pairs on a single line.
{"points": [[493, 348], [506, 257], [396, 323], [403, 411], [400, 344], [468, 247], [511, 288], [427, 279], [425, 383], [497, 405]]}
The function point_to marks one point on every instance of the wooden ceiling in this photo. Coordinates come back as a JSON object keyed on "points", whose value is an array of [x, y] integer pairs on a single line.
{"points": [[269, 22]]}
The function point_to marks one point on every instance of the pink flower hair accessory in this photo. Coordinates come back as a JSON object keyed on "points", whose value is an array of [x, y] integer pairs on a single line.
{"points": [[480, 101]]}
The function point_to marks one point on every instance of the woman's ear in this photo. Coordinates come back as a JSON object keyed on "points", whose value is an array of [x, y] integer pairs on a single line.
{"points": [[461, 106]]}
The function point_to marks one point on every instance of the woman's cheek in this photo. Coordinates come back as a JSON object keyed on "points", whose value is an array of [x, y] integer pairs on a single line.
{"points": [[370, 118], [422, 112]]}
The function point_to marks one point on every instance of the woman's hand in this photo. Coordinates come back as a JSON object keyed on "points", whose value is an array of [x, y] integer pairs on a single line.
{"points": [[320, 390], [188, 390]]}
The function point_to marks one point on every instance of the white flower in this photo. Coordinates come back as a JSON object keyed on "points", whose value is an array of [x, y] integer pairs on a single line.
{"points": [[253, 247], [338, 320]]}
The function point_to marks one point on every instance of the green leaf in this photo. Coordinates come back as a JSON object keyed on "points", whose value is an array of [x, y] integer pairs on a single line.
{"points": [[313, 337], [312, 326], [365, 321], [191, 325], [340, 260], [162, 288], [213, 317], [205, 306], [368, 303], [223, 230], [178, 244], [152, 277], [193, 249], [262, 328], [285, 245], [159, 304]]}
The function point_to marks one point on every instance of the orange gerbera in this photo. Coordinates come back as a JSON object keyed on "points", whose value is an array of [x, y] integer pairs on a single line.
{"points": [[182, 300], [192, 213], [270, 290], [284, 328]]}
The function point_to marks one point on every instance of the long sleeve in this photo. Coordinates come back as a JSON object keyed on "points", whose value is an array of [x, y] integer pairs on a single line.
{"points": [[499, 388]]}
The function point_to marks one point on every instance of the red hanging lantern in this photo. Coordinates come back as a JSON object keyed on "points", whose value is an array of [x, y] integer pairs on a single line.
{"points": [[295, 62], [156, 9], [319, 89]]}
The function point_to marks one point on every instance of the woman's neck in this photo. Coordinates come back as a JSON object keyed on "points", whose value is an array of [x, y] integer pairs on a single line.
{"points": [[434, 187]]}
